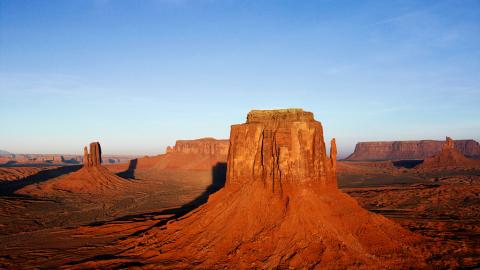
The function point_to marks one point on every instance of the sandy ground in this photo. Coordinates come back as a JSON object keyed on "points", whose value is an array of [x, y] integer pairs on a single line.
{"points": [[66, 230]]}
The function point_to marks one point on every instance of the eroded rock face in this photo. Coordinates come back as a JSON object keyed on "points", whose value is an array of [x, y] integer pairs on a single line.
{"points": [[204, 146], [448, 157], [398, 150], [94, 158], [278, 147], [449, 144], [280, 209]]}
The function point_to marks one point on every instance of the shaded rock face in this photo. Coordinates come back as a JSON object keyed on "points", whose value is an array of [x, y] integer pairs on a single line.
{"points": [[448, 157], [204, 146], [398, 150], [449, 144], [279, 147], [94, 158], [280, 209]]}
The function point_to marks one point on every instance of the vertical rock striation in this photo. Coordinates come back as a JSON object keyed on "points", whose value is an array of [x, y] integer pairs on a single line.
{"points": [[203, 146], [280, 209], [94, 158], [398, 150], [278, 148]]}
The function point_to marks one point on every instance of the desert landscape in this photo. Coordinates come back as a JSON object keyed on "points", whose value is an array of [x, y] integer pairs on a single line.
{"points": [[269, 197], [240, 134]]}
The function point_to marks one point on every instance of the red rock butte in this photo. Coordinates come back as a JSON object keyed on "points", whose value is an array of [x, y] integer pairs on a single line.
{"points": [[448, 157], [91, 179], [94, 158], [280, 209], [279, 147]]}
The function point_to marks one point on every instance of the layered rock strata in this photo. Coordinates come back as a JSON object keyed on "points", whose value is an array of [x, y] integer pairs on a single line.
{"points": [[280, 209], [204, 146], [279, 147], [448, 157], [405, 150]]}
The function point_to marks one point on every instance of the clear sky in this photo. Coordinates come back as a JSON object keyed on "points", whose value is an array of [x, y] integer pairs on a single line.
{"points": [[137, 75]]}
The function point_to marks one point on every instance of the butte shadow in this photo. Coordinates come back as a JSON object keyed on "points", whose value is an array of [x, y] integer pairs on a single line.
{"points": [[92, 178], [280, 208]]}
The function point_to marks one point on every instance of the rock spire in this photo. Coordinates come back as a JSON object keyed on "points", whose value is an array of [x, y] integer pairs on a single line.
{"points": [[448, 143], [94, 158]]}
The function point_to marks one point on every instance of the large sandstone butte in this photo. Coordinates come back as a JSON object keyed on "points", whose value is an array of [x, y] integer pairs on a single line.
{"points": [[398, 150], [280, 208], [448, 157]]}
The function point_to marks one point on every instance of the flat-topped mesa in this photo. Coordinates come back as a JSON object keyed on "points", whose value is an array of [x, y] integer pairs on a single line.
{"points": [[94, 158], [279, 148], [203, 146], [285, 115], [398, 150]]}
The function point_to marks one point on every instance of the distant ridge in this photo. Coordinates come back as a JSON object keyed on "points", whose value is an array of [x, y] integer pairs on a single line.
{"points": [[4, 153], [398, 150]]}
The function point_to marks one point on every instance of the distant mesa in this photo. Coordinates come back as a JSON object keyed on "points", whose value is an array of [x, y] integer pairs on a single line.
{"points": [[409, 150], [205, 146], [280, 209], [4, 153], [191, 161], [449, 156]]}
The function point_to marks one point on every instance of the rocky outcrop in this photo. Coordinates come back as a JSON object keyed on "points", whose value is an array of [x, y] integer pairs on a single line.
{"points": [[404, 150], [280, 209], [203, 146], [94, 158], [449, 157], [449, 144], [278, 147], [333, 155]]}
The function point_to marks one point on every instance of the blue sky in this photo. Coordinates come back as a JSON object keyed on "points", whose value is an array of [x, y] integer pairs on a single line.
{"points": [[137, 75]]}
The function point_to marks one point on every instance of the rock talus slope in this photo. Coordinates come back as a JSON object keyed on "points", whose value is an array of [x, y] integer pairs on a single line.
{"points": [[92, 178], [280, 208], [448, 157]]}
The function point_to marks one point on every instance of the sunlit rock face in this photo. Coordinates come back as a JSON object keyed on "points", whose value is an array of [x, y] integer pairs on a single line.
{"points": [[448, 157], [397, 150], [280, 209], [278, 147], [94, 158], [204, 146]]}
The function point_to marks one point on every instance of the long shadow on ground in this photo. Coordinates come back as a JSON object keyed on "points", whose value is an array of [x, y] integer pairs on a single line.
{"points": [[8, 188], [130, 172], [219, 173]]}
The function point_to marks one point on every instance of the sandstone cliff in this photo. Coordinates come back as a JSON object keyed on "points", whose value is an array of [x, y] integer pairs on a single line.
{"points": [[404, 150], [449, 156], [280, 209], [205, 146], [278, 147]]}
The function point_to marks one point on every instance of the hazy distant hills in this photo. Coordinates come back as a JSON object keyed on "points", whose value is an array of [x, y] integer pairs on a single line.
{"points": [[3, 152]]}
